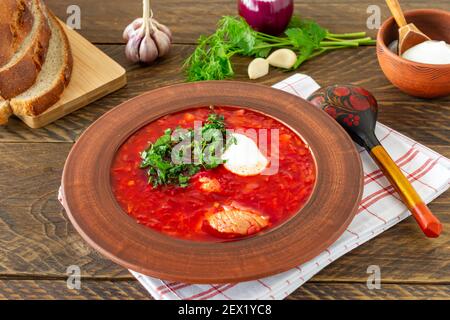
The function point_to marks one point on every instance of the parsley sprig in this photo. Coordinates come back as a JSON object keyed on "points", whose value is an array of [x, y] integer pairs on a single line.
{"points": [[211, 60], [179, 154]]}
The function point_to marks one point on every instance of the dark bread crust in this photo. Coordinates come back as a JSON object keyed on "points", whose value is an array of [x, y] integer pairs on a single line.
{"points": [[22, 75], [16, 22], [39, 104]]}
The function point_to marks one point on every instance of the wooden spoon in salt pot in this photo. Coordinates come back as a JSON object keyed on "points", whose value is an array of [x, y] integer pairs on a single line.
{"points": [[409, 34], [356, 110]]}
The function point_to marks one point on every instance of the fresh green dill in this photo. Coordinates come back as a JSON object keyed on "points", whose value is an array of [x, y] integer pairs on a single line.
{"points": [[179, 154], [211, 60]]}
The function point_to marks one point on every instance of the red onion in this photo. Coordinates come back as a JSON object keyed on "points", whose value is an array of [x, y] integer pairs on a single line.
{"points": [[268, 16]]}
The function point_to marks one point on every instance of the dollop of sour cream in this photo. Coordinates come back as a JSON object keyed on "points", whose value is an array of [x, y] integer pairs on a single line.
{"points": [[244, 157], [431, 52]]}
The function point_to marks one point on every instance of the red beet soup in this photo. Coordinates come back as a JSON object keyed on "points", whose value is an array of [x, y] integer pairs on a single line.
{"points": [[263, 201]]}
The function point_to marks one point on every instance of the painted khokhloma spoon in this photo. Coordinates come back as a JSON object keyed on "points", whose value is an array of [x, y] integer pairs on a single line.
{"points": [[356, 110]]}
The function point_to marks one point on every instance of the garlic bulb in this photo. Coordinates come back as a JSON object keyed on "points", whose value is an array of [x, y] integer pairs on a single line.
{"points": [[146, 38]]}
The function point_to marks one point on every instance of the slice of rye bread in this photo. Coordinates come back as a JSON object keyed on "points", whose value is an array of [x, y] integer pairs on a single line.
{"points": [[53, 78], [22, 69], [5, 111], [16, 22]]}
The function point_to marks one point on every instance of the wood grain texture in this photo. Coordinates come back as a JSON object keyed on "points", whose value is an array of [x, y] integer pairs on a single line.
{"points": [[57, 289], [104, 22], [37, 243], [44, 239], [397, 12], [131, 290], [352, 291], [397, 109], [37, 240]]}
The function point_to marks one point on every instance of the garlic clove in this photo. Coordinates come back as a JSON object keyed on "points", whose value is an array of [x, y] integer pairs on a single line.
{"points": [[282, 58], [258, 68], [164, 29], [162, 42], [133, 45], [148, 52], [131, 28], [137, 23], [127, 32]]}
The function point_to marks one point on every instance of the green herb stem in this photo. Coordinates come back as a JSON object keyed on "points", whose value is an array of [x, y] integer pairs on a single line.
{"points": [[339, 43], [319, 52], [347, 35], [369, 42], [268, 36], [273, 45], [335, 48]]}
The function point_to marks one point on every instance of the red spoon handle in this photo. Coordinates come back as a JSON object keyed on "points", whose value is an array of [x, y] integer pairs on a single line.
{"points": [[429, 224]]}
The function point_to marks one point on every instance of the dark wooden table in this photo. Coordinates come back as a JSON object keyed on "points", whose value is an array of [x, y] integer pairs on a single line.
{"points": [[38, 243]]}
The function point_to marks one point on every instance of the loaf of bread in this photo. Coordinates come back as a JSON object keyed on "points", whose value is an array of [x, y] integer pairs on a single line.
{"points": [[52, 79], [16, 22], [38, 68], [21, 71]]}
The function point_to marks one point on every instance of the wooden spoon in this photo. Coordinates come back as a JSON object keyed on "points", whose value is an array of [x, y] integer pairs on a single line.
{"points": [[409, 34], [356, 110]]}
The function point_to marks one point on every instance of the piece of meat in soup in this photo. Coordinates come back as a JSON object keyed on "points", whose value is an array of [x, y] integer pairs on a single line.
{"points": [[234, 222]]}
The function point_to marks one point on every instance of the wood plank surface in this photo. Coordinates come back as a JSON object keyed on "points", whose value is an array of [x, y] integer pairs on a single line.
{"points": [[38, 243], [36, 238], [104, 22], [130, 290], [57, 289], [352, 291], [428, 121]]}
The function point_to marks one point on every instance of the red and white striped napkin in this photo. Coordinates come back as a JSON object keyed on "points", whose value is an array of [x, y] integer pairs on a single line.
{"points": [[379, 210]]}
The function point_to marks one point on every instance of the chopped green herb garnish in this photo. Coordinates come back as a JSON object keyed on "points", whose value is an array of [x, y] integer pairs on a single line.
{"points": [[179, 154]]}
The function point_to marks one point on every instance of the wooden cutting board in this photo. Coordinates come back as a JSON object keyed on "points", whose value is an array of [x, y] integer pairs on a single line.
{"points": [[94, 76]]}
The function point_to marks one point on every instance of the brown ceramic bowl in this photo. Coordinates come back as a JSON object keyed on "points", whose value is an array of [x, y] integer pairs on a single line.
{"points": [[93, 210], [416, 79]]}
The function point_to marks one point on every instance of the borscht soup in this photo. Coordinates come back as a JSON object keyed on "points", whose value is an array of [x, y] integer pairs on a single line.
{"points": [[213, 174]]}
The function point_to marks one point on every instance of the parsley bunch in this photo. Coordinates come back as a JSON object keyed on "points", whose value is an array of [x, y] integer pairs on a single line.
{"points": [[211, 59], [177, 155]]}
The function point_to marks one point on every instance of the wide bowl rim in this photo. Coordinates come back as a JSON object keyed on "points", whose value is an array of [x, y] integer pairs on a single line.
{"points": [[119, 248], [396, 57]]}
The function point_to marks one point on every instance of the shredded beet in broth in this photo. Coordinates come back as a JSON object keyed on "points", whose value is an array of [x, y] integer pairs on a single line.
{"points": [[184, 212]]}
